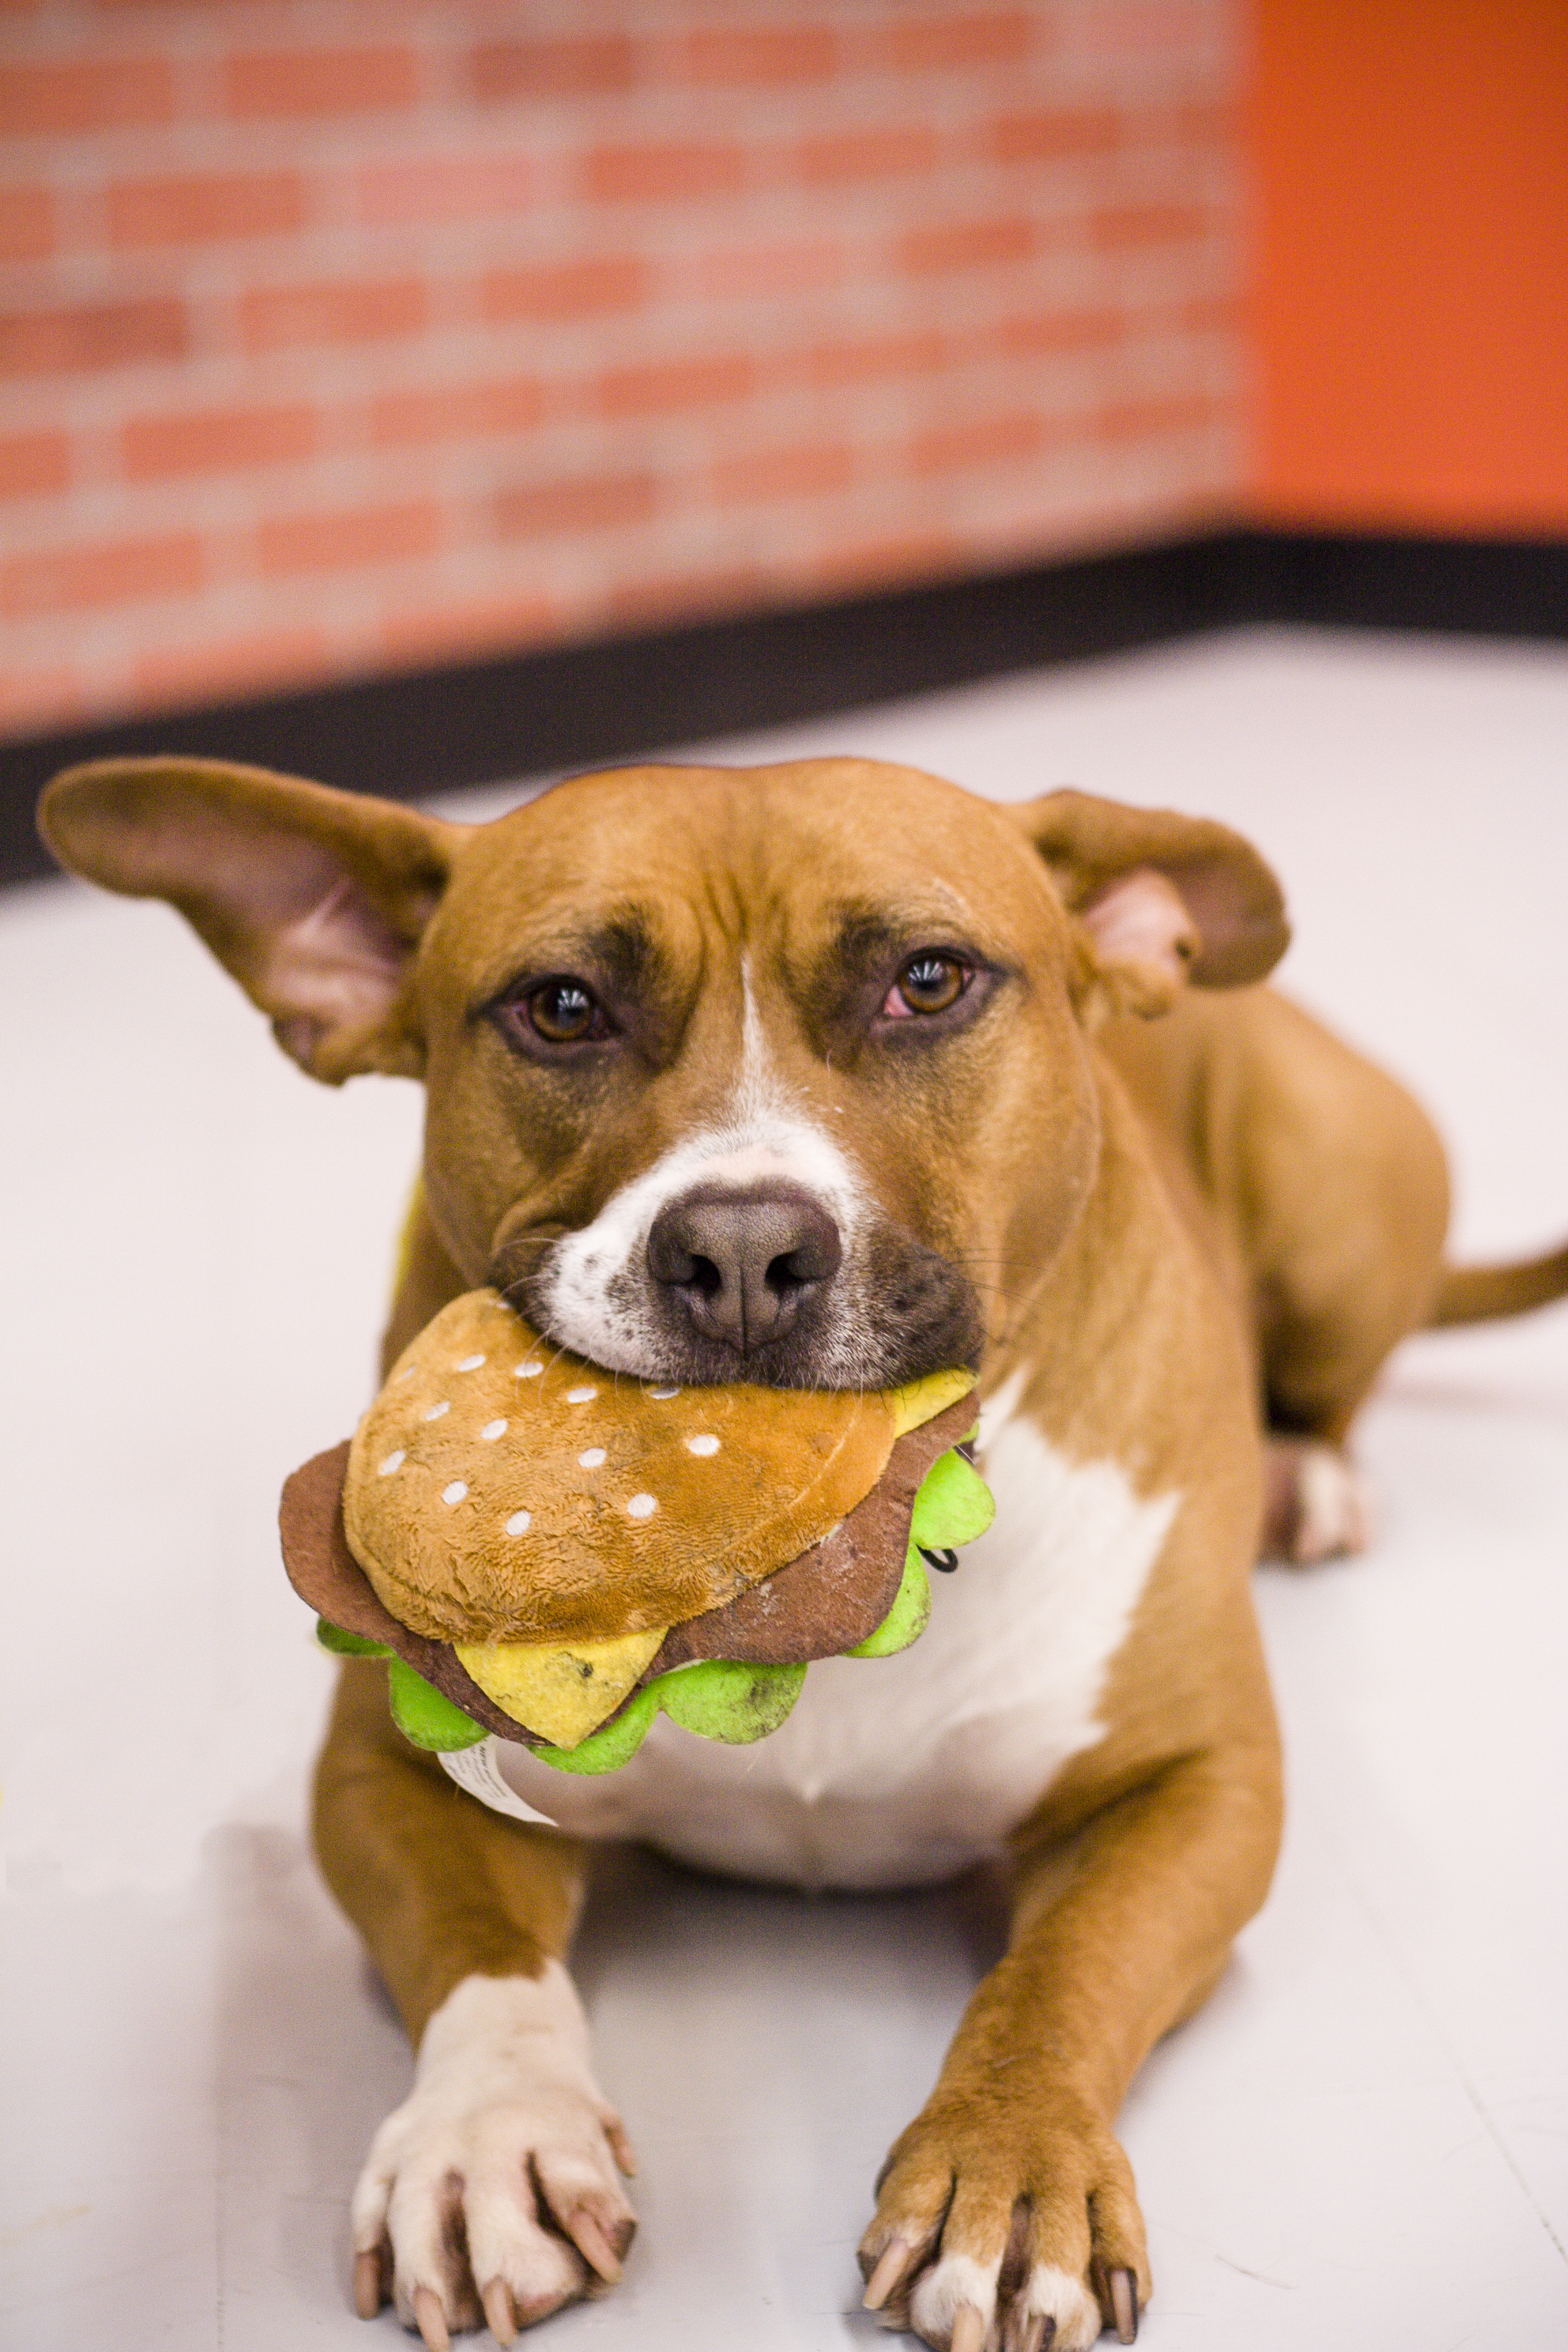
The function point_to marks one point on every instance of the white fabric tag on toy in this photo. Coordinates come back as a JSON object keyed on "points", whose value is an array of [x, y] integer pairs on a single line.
{"points": [[477, 1770]]}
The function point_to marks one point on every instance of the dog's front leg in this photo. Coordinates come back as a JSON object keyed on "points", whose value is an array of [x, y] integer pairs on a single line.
{"points": [[492, 2192], [1006, 2213]]}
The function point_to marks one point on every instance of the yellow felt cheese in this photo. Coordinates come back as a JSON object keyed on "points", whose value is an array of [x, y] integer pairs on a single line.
{"points": [[565, 1691], [913, 1406]]}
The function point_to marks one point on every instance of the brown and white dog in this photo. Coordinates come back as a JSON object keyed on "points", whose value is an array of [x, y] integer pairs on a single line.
{"points": [[833, 1074]]}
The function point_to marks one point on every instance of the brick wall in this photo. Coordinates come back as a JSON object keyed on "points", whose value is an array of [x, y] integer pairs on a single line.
{"points": [[335, 338]]}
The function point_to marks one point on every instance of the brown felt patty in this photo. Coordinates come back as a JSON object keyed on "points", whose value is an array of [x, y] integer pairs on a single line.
{"points": [[500, 1490]]}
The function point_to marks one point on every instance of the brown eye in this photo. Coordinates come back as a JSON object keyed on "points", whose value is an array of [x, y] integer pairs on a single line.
{"points": [[561, 1011], [928, 983]]}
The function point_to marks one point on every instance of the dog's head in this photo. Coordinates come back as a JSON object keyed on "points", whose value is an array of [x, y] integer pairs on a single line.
{"points": [[778, 1073]]}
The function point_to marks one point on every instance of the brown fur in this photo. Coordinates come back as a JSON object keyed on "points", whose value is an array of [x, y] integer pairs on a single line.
{"points": [[1181, 1229]]}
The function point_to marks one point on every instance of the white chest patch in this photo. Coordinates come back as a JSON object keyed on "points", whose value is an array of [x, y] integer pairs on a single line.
{"points": [[894, 1771]]}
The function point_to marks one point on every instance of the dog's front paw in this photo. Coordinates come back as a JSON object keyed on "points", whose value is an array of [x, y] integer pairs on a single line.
{"points": [[490, 2194], [1011, 2230]]}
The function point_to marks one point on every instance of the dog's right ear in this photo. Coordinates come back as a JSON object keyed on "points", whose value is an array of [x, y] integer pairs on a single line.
{"points": [[1160, 899], [314, 900]]}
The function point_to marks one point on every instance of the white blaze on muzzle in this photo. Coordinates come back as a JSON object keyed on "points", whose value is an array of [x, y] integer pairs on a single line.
{"points": [[594, 1294]]}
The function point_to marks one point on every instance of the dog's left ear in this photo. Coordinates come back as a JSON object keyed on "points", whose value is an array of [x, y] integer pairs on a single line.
{"points": [[314, 900], [1158, 898]]}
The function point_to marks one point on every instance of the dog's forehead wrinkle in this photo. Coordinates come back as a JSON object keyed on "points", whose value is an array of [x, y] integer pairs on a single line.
{"points": [[628, 945], [856, 936], [631, 944]]}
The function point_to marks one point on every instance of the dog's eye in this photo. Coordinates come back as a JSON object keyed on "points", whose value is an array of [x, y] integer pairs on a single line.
{"points": [[563, 1010], [928, 983]]}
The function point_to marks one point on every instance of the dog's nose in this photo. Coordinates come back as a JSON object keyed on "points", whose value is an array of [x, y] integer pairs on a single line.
{"points": [[743, 1262]]}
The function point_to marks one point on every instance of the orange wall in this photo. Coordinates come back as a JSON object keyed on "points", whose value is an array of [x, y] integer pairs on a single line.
{"points": [[1411, 306]]}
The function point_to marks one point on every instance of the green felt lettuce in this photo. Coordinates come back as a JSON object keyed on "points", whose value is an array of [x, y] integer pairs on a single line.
{"points": [[724, 1698], [344, 1644], [906, 1620], [721, 1699], [954, 1504], [424, 1715]]}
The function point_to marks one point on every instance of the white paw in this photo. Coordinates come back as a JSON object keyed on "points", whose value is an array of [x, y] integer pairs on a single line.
{"points": [[491, 2193], [955, 2306], [1051, 2294], [1319, 1506]]}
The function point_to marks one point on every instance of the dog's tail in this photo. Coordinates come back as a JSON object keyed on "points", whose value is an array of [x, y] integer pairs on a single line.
{"points": [[1473, 1294]]}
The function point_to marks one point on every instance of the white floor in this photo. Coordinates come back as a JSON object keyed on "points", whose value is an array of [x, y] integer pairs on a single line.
{"points": [[1363, 2143]]}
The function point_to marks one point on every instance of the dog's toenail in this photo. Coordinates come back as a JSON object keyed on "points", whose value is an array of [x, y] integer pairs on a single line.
{"points": [[968, 2328], [370, 2292], [430, 2319], [499, 2312], [885, 2277]]}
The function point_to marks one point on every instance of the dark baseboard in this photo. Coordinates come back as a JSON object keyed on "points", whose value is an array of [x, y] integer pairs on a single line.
{"points": [[1361, 580], [574, 706]]}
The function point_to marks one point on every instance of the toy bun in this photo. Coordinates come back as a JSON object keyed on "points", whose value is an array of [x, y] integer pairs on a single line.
{"points": [[499, 1491]]}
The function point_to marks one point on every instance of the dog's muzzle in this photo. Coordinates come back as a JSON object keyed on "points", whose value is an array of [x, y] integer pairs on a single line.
{"points": [[765, 1281]]}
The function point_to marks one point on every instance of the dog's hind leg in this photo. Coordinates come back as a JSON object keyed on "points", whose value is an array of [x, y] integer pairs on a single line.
{"points": [[1345, 1200], [492, 2193], [1318, 1188], [1342, 1201], [1317, 1504]]}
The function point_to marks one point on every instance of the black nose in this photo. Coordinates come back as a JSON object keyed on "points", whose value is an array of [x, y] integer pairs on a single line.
{"points": [[743, 1262]]}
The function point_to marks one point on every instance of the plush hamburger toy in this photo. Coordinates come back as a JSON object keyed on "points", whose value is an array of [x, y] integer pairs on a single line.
{"points": [[556, 1553]]}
